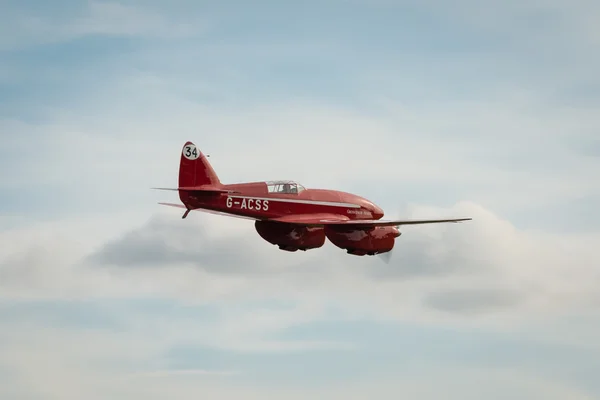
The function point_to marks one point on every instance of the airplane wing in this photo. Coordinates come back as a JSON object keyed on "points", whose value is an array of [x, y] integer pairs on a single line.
{"points": [[326, 219], [340, 220], [311, 219]]}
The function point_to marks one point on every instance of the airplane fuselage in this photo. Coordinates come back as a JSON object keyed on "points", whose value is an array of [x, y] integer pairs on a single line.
{"points": [[255, 200]]}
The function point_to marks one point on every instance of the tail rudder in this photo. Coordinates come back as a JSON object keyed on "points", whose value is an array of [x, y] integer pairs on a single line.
{"points": [[194, 168]]}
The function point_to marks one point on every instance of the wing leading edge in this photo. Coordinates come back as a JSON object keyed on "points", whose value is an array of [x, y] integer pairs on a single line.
{"points": [[339, 220], [329, 219]]}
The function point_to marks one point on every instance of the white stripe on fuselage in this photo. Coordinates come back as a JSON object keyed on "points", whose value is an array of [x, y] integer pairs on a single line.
{"points": [[298, 201]]}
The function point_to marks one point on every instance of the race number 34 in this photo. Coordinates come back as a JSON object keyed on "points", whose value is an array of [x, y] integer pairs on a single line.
{"points": [[190, 152]]}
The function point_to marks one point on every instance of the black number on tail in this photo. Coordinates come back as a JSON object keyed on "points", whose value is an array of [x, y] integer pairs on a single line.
{"points": [[189, 152]]}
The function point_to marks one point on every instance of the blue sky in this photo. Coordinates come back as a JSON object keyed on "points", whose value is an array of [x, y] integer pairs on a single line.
{"points": [[428, 108]]}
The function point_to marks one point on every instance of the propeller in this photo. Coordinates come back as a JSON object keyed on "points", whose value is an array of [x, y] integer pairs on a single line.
{"points": [[387, 256]]}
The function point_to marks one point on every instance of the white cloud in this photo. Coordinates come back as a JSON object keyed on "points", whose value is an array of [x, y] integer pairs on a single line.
{"points": [[69, 365], [509, 273]]}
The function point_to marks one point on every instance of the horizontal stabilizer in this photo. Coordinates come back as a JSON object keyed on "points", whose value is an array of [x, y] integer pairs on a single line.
{"points": [[203, 188], [206, 211]]}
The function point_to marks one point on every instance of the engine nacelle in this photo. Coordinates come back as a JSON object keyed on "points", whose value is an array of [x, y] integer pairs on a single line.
{"points": [[290, 237], [360, 242]]}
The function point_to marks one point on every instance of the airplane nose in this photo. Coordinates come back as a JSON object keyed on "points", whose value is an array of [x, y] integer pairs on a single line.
{"points": [[377, 212], [373, 208]]}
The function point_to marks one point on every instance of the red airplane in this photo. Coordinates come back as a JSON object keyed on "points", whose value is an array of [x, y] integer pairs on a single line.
{"points": [[288, 215]]}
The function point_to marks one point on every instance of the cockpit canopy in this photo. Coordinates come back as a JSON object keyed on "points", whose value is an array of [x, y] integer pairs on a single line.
{"points": [[287, 187]]}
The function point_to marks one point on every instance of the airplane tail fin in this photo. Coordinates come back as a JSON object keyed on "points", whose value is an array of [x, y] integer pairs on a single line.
{"points": [[195, 170]]}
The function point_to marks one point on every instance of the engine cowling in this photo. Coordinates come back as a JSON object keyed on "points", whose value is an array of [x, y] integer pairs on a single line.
{"points": [[360, 242], [290, 237]]}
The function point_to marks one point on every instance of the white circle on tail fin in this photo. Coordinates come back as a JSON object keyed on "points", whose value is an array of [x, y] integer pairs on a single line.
{"points": [[190, 152]]}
